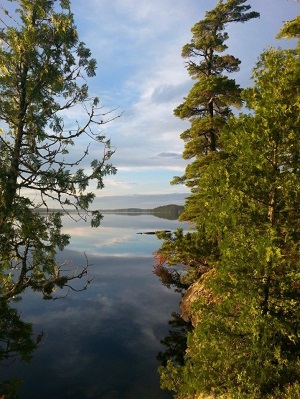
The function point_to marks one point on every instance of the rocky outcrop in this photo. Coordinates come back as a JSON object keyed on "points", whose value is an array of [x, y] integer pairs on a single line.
{"points": [[196, 291]]}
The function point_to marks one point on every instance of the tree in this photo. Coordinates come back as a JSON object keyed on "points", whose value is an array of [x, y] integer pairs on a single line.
{"points": [[246, 341], [207, 107], [290, 29], [208, 103], [43, 72]]}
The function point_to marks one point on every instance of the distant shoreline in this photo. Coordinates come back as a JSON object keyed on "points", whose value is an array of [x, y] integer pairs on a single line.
{"points": [[163, 208], [171, 211]]}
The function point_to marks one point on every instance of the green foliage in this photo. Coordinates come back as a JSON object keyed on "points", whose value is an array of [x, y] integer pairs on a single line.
{"points": [[193, 250], [290, 29], [43, 67], [208, 108], [246, 341], [208, 103], [43, 73]]}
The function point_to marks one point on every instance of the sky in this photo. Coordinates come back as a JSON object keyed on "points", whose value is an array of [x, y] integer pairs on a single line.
{"points": [[137, 44], [141, 74]]}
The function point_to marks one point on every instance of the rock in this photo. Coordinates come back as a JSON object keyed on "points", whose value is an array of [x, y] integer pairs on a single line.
{"points": [[196, 291]]}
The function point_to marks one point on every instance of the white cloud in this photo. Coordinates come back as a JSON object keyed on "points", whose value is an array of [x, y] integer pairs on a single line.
{"points": [[137, 44]]}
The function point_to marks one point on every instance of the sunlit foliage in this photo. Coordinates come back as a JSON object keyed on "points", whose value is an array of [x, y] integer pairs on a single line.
{"points": [[246, 341]]}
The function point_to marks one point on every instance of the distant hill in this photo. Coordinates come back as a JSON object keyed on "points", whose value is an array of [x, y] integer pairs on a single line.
{"points": [[174, 211], [171, 211]]}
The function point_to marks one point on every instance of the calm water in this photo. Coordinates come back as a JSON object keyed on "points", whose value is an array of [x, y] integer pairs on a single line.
{"points": [[102, 343]]}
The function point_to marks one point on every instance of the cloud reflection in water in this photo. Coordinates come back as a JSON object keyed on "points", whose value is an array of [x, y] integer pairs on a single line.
{"points": [[102, 343]]}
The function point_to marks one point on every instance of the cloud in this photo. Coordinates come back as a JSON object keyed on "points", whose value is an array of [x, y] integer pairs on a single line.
{"points": [[175, 155], [170, 92], [137, 44]]}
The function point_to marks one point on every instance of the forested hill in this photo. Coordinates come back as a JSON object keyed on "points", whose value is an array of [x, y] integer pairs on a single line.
{"points": [[166, 211]]}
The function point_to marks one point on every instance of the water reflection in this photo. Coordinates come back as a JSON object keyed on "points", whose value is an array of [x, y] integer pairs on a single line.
{"points": [[17, 342], [101, 343], [175, 342]]}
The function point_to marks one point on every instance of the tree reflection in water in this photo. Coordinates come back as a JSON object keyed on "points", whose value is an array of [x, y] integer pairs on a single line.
{"points": [[176, 341], [28, 248], [16, 342]]}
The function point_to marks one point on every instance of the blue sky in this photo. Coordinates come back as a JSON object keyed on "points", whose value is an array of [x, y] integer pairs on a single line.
{"points": [[137, 44]]}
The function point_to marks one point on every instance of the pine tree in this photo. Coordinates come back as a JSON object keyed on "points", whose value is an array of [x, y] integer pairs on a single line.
{"points": [[207, 107], [208, 104]]}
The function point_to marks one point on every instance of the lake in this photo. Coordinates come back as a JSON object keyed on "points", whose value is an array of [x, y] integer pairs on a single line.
{"points": [[101, 343]]}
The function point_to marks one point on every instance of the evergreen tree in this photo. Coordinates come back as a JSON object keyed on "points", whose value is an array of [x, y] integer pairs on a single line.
{"points": [[43, 71], [208, 103], [246, 341], [207, 107]]}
